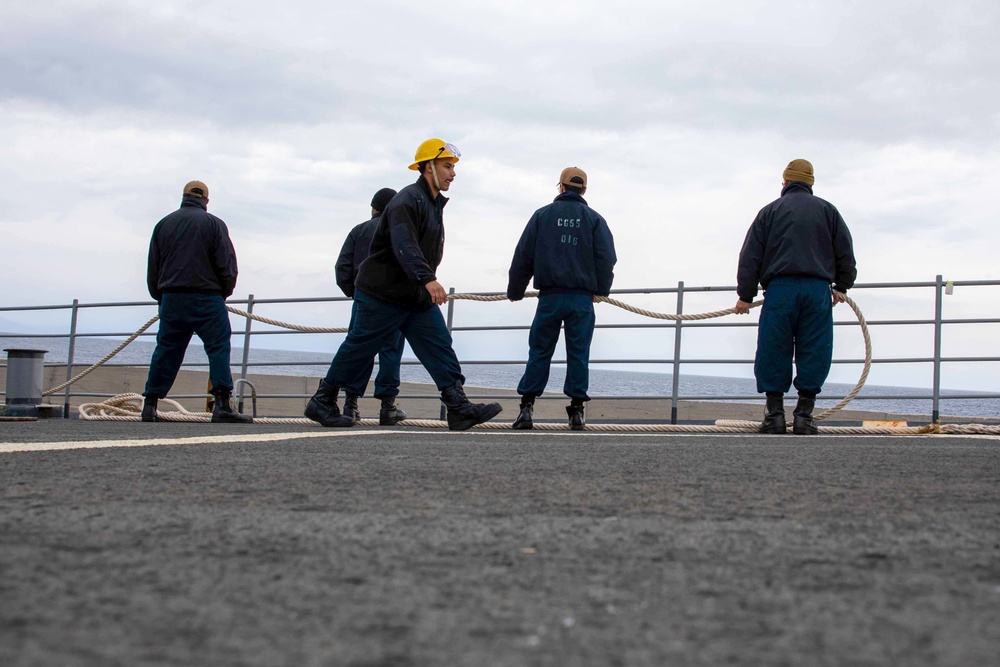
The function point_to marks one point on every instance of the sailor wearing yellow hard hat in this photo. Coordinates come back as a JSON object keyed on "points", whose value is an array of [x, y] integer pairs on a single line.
{"points": [[397, 290]]}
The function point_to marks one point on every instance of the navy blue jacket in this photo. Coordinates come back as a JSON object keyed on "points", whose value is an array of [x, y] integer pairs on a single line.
{"points": [[406, 249], [190, 252], [798, 234], [567, 247], [355, 251]]}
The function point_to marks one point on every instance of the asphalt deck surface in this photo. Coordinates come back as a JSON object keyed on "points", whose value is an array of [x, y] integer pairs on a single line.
{"points": [[405, 547]]}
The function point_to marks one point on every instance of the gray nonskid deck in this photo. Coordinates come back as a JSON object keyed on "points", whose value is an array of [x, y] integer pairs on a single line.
{"points": [[414, 547]]}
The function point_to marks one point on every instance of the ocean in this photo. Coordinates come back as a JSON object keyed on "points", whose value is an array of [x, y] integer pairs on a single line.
{"points": [[603, 381]]}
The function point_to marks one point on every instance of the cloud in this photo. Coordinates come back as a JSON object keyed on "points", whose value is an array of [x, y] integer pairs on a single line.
{"points": [[879, 72]]}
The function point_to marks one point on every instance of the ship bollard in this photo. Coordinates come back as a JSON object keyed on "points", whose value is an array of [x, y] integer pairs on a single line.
{"points": [[25, 378]]}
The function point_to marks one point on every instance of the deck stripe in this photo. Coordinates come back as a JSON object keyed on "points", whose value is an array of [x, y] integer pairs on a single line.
{"points": [[12, 447], [8, 447]]}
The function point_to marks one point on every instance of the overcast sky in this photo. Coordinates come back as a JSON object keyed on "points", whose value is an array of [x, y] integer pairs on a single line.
{"points": [[682, 114]]}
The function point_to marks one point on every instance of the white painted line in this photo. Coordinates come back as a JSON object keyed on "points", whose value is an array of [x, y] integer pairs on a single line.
{"points": [[667, 434], [8, 447], [11, 447]]}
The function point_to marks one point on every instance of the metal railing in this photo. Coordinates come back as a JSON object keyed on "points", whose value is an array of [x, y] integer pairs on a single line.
{"points": [[676, 361]]}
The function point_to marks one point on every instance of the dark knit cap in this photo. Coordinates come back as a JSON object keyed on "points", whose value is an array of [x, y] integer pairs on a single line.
{"points": [[799, 170], [382, 198]]}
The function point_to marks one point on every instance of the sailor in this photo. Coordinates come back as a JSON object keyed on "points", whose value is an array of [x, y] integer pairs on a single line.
{"points": [[397, 290], [796, 248], [570, 251], [190, 272], [354, 252]]}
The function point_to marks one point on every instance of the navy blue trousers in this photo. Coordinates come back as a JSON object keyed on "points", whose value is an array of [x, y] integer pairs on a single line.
{"points": [[387, 379], [796, 326], [375, 324], [181, 316], [574, 312]]}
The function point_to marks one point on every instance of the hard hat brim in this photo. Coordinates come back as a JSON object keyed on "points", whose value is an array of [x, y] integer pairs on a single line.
{"points": [[416, 165]]}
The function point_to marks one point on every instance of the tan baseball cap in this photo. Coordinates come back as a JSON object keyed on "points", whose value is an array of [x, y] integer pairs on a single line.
{"points": [[573, 176], [196, 189]]}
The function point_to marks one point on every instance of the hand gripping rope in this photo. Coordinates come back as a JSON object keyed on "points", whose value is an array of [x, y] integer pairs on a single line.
{"points": [[127, 407]]}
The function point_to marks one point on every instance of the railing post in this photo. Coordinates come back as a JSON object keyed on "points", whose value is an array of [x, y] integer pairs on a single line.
{"points": [[70, 355], [674, 391], [938, 311], [450, 317], [246, 349]]}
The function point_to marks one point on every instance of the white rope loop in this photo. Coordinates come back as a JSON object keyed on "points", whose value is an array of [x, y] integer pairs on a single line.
{"points": [[864, 372]]}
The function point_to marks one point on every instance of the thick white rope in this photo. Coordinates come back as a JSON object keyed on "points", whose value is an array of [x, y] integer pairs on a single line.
{"points": [[864, 371], [103, 361], [286, 325]]}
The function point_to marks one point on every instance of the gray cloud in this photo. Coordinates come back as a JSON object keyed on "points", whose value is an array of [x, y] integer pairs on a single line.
{"points": [[88, 62], [879, 73]]}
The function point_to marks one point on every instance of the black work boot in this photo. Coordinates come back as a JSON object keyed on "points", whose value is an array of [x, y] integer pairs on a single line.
{"points": [[149, 409], [390, 414], [462, 414], [575, 412], [351, 408], [322, 407], [523, 421], [774, 415], [223, 412], [803, 423]]}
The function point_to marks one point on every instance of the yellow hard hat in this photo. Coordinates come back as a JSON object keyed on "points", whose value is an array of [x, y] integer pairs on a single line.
{"points": [[432, 149]]}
